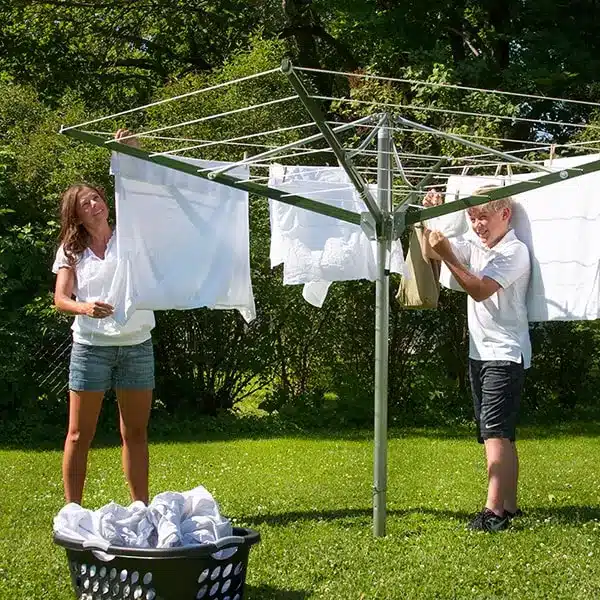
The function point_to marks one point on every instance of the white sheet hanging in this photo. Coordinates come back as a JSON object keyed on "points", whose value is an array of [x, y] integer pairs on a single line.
{"points": [[316, 250], [182, 241], [561, 226]]}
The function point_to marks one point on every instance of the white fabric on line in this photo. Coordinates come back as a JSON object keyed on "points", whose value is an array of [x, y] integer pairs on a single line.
{"points": [[560, 224], [182, 241], [315, 249]]}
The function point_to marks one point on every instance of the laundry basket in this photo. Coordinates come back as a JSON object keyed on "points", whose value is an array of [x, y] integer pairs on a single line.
{"points": [[183, 573]]}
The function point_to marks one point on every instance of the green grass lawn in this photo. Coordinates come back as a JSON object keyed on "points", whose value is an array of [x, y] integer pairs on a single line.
{"points": [[310, 498]]}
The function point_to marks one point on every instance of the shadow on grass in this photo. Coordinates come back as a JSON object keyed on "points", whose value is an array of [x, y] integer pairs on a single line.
{"points": [[266, 592], [362, 514], [565, 515], [36, 435]]}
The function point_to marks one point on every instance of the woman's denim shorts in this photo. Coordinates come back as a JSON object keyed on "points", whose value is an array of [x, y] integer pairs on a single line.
{"points": [[98, 368]]}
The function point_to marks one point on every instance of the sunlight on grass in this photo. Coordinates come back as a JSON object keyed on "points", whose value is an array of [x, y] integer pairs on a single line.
{"points": [[311, 501]]}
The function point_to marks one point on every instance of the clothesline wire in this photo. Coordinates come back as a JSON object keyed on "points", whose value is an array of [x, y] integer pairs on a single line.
{"points": [[188, 94], [482, 137], [212, 117], [207, 143], [451, 86], [453, 112]]}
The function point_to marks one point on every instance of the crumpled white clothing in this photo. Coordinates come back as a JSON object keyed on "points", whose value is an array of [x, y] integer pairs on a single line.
{"points": [[182, 241], [560, 224], [315, 249], [171, 519]]}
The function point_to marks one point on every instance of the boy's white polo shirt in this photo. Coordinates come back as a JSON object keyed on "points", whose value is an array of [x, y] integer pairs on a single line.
{"points": [[498, 326]]}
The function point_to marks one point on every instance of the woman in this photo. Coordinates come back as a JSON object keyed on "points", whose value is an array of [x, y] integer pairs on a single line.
{"points": [[104, 354]]}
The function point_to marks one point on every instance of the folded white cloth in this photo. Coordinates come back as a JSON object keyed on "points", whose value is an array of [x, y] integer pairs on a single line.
{"points": [[315, 249], [171, 519], [560, 224], [182, 241]]}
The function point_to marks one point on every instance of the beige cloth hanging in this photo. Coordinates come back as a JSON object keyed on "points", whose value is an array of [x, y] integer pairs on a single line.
{"points": [[422, 290]]}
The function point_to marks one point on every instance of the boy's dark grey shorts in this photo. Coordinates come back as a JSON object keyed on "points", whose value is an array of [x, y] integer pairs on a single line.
{"points": [[496, 386]]}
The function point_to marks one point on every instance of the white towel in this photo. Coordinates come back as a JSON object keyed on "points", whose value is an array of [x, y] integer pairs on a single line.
{"points": [[560, 224], [315, 249], [182, 241]]}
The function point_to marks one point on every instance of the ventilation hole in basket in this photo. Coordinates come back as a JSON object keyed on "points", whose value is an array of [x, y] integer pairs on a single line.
{"points": [[113, 573], [201, 592], [83, 569], [215, 573], [96, 586], [123, 575], [203, 575], [116, 589], [238, 569], [105, 588], [137, 593], [93, 571], [214, 589], [102, 573], [227, 598], [226, 585], [135, 576], [237, 597], [148, 578], [227, 570], [86, 584], [150, 594], [126, 591]]}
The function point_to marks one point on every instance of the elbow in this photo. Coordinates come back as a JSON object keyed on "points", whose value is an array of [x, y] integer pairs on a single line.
{"points": [[480, 295], [59, 305]]}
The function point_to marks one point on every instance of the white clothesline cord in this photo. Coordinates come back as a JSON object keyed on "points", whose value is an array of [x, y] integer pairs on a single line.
{"points": [[210, 117], [188, 94], [489, 138], [452, 86], [208, 143], [454, 112]]}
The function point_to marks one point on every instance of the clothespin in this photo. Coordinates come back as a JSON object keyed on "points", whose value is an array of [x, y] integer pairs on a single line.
{"points": [[552, 154], [498, 169], [465, 171]]}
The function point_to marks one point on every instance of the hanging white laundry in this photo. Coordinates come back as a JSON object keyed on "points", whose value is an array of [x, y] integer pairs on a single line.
{"points": [[560, 224], [182, 241], [315, 249]]}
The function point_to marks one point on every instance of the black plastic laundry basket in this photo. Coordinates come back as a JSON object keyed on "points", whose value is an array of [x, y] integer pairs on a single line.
{"points": [[184, 573]]}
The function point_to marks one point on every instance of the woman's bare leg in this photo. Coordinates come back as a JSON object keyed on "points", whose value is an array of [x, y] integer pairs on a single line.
{"points": [[84, 408], [134, 409]]}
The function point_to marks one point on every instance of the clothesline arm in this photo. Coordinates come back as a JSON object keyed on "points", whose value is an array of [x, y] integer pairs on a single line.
{"points": [[315, 112], [415, 216], [248, 186]]}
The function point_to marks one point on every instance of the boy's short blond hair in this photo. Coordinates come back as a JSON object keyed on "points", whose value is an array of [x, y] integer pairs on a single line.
{"points": [[494, 205]]}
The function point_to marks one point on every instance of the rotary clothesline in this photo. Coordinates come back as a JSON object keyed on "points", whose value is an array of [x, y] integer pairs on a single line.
{"points": [[383, 220]]}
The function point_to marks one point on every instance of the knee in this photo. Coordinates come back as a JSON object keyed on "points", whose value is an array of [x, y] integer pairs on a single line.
{"points": [[134, 435], [79, 438]]}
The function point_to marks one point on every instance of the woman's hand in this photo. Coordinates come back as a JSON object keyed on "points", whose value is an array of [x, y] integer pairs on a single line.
{"points": [[98, 310], [433, 198], [125, 133]]}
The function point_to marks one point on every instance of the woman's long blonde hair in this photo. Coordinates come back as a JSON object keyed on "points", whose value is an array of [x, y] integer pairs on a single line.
{"points": [[73, 236]]}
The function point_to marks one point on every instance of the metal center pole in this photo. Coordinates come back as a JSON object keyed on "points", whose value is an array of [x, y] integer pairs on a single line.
{"points": [[382, 313]]}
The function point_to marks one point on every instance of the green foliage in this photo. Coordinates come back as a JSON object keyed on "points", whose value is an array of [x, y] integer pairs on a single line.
{"points": [[64, 63]]}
